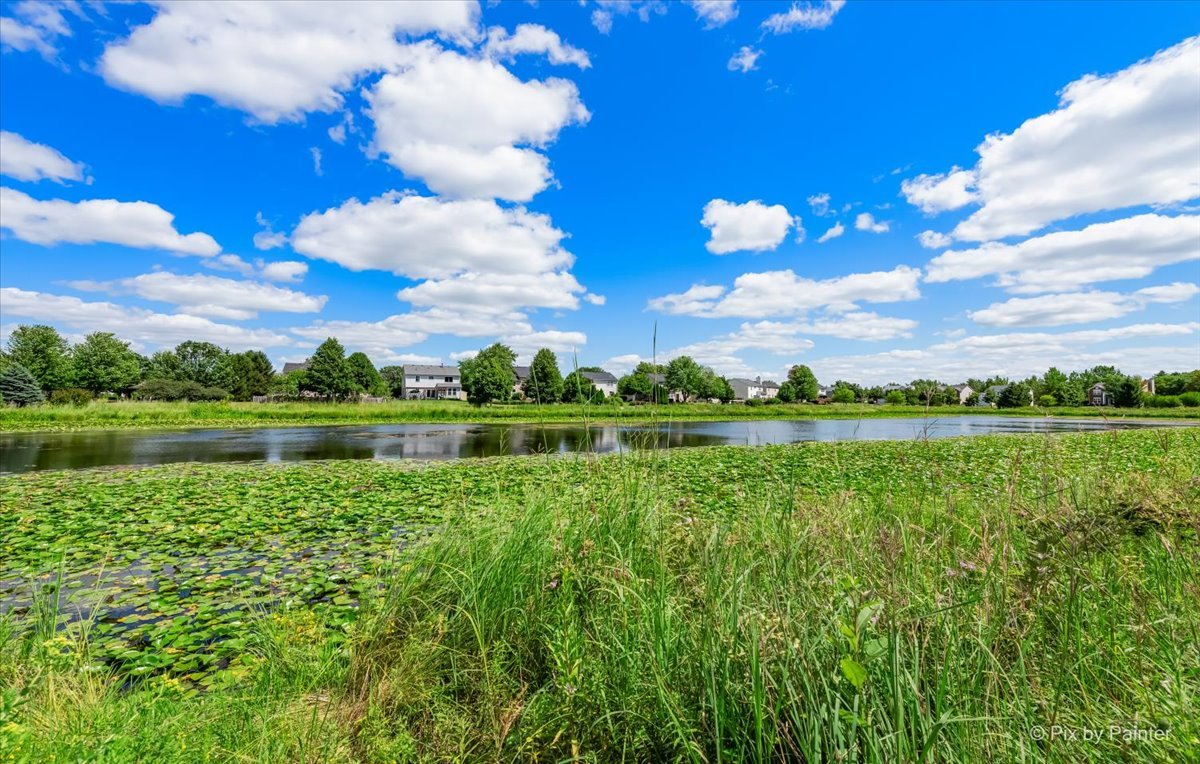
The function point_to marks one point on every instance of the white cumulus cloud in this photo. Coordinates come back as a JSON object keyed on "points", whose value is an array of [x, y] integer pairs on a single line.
{"points": [[132, 224], [714, 13], [1119, 140], [866, 222], [535, 39], [278, 60], [783, 293], [836, 230], [25, 160], [1121, 249], [468, 127], [749, 227], [135, 324], [745, 60]]}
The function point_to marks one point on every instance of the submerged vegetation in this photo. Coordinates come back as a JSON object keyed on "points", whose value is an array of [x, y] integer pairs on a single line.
{"points": [[125, 414], [937, 600]]}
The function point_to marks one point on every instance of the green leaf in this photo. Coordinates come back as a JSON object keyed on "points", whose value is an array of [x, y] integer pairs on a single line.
{"points": [[854, 672]]}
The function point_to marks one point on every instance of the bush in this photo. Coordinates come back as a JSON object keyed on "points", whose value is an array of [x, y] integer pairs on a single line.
{"points": [[754, 402], [1191, 400], [1162, 401], [1047, 401], [175, 390], [896, 398], [71, 396]]}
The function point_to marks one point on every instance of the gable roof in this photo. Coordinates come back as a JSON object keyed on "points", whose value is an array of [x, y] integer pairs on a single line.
{"points": [[522, 372], [433, 371], [293, 366], [599, 376]]}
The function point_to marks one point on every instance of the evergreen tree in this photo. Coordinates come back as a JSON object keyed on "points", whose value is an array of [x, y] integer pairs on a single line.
{"points": [[1128, 393], [18, 387], [366, 377], [104, 363], [805, 383], [328, 373], [545, 383], [44, 353], [251, 374], [1014, 396], [489, 376]]}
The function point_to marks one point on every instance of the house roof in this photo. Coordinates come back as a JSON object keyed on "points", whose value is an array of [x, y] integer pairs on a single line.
{"points": [[1098, 384], [768, 384], [599, 376], [522, 372], [996, 389], [293, 366], [433, 371]]}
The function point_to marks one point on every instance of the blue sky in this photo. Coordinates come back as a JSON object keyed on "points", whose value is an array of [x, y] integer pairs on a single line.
{"points": [[769, 183]]}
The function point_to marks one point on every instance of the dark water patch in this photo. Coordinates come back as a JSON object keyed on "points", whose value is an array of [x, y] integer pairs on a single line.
{"points": [[26, 452]]}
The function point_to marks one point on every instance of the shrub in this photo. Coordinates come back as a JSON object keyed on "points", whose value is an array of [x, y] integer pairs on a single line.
{"points": [[754, 402], [71, 396], [175, 390], [1162, 401], [1047, 400], [1191, 400], [896, 398]]}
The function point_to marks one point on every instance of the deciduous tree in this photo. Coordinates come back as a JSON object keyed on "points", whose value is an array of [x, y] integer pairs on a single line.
{"points": [[489, 376], [104, 363], [805, 383], [44, 353], [328, 373]]}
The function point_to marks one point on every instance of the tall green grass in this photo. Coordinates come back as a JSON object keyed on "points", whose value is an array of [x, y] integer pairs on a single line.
{"points": [[125, 414], [622, 627]]}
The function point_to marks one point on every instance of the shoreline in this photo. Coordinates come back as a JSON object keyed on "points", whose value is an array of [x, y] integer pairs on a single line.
{"points": [[202, 416]]}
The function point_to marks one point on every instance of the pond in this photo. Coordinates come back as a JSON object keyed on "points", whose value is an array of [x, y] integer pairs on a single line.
{"points": [[25, 452]]}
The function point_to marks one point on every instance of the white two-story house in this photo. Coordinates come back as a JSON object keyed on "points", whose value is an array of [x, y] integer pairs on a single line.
{"points": [[433, 382]]}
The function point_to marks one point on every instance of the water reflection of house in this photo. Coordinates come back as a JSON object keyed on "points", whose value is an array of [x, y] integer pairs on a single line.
{"points": [[423, 382]]}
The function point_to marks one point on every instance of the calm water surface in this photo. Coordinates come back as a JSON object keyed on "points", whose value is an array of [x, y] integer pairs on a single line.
{"points": [[24, 452]]}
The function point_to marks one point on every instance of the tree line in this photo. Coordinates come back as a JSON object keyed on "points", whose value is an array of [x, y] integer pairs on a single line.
{"points": [[39, 364]]}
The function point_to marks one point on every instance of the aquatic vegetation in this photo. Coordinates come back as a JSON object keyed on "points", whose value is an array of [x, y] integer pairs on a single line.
{"points": [[870, 601]]}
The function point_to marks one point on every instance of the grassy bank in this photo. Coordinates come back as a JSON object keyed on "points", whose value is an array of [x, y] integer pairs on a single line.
{"points": [[124, 414], [885, 602]]}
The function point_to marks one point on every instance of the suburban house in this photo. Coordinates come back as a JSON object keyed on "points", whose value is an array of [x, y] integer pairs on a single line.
{"points": [[1148, 386], [989, 396], [291, 366], [673, 396], [753, 389], [1098, 396], [522, 374], [603, 381], [433, 382], [964, 392]]}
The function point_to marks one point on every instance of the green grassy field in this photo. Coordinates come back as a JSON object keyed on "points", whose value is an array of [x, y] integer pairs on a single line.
{"points": [[888, 601], [108, 415]]}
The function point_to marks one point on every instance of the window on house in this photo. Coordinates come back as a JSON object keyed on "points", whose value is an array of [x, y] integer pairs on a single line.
{"points": [[449, 379]]}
